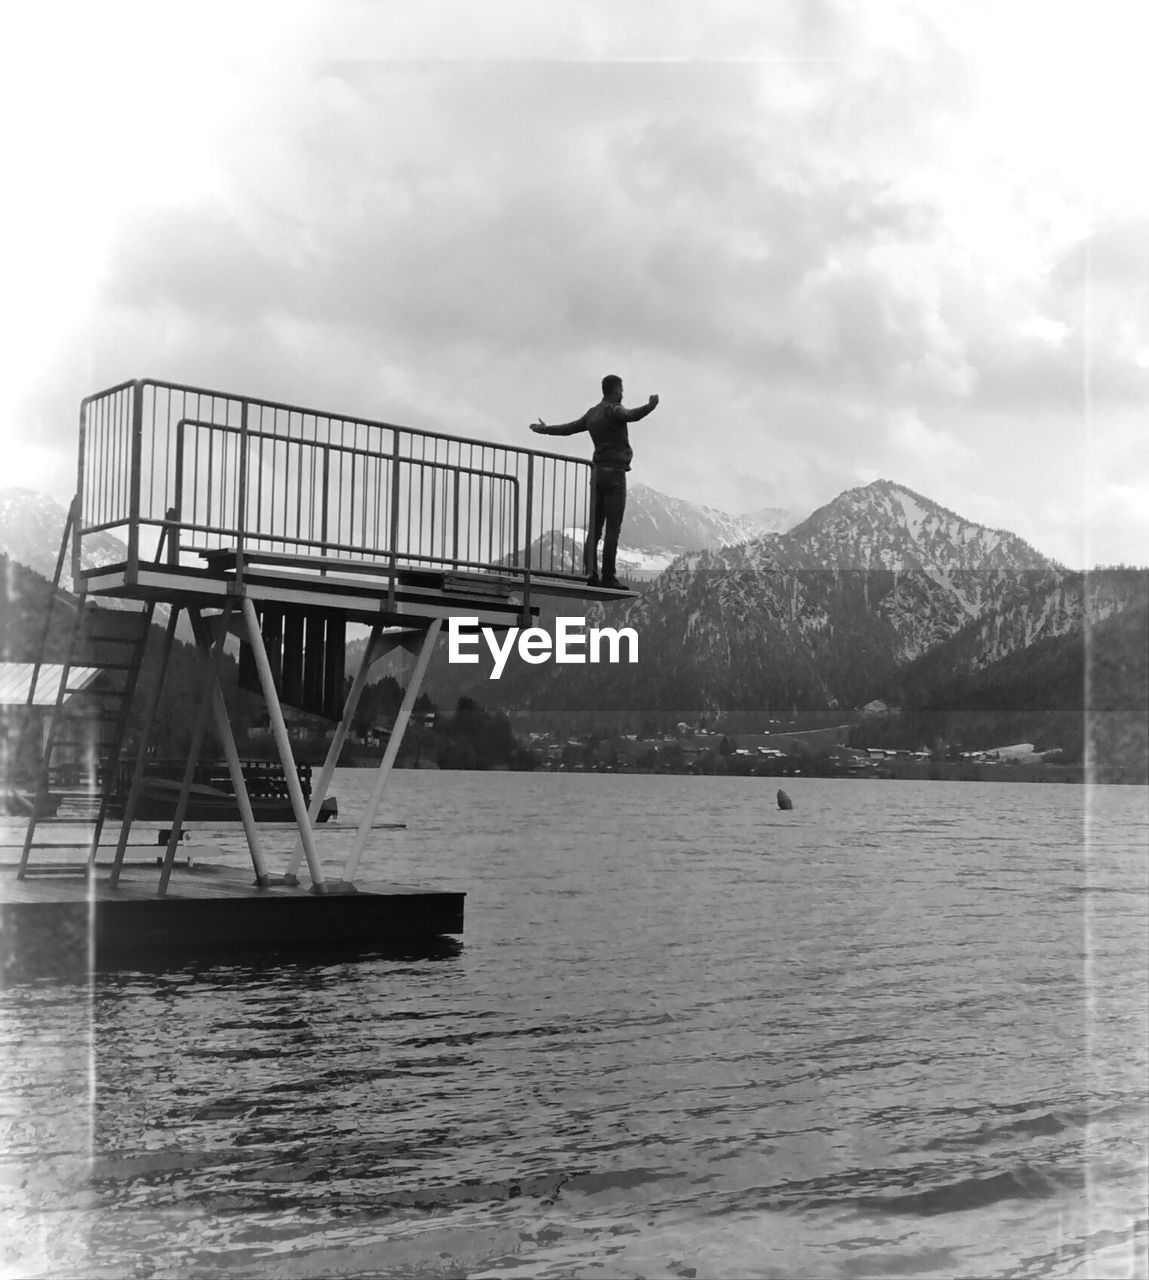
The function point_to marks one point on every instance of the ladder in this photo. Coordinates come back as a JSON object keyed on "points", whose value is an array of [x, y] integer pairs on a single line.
{"points": [[85, 736]]}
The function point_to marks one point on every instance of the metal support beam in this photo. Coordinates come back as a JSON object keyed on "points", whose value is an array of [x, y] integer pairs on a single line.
{"points": [[388, 761], [283, 744], [137, 783], [376, 648], [212, 661], [227, 741]]}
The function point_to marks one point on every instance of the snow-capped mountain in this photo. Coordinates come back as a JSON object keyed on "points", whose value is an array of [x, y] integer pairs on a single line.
{"points": [[657, 528], [826, 614], [31, 526], [1070, 604], [923, 570], [655, 531], [885, 525]]}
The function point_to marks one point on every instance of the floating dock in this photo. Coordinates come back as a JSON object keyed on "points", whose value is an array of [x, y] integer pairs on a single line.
{"points": [[269, 528], [207, 910]]}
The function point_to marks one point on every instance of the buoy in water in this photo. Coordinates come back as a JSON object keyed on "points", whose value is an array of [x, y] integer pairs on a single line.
{"points": [[784, 801]]}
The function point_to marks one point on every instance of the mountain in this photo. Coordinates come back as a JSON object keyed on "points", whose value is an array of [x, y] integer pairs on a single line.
{"points": [[658, 528], [1072, 604], [823, 616], [885, 525], [31, 526], [1080, 684], [881, 593], [27, 596], [919, 572], [655, 531]]}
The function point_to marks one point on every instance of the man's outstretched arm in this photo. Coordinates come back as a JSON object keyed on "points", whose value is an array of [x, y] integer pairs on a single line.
{"points": [[567, 428], [635, 415]]}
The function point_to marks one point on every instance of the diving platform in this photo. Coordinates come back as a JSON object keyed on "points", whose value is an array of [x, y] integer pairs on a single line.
{"points": [[269, 529], [274, 501]]}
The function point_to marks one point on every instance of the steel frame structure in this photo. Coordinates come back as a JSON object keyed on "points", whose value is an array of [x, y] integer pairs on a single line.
{"points": [[225, 502], [211, 470]]}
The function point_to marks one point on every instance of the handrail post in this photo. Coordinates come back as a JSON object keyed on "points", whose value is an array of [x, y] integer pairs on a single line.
{"points": [[393, 538], [324, 502], [455, 523], [136, 470], [529, 524], [515, 512], [241, 513], [176, 511]]}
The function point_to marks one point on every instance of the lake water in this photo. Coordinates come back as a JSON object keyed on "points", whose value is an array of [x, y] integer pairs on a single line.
{"points": [[898, 1030]]}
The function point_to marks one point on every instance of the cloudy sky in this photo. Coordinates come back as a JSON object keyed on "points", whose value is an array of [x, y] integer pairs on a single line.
{"points": [[840, 240]]}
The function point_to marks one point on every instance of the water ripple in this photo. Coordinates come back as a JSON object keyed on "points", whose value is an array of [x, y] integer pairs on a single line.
{"points": [[904, 1034]]}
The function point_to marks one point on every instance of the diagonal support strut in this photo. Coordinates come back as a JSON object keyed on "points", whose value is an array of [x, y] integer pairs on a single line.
{"points": [[387, 763], [283, 745]]}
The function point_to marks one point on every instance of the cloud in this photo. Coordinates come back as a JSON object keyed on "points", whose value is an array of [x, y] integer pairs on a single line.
{"points": [[799, 223], [656, 229], [923, 448]]}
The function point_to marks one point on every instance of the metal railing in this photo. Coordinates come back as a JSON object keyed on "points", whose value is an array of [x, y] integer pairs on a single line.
{"points": [[221, 471]]}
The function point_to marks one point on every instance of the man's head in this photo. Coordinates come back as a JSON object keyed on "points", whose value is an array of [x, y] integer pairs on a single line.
{"points": [[612, 388]]}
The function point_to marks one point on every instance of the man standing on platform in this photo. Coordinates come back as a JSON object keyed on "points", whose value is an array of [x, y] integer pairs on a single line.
{"points": [[607, 422]]}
